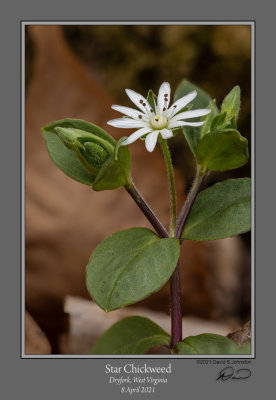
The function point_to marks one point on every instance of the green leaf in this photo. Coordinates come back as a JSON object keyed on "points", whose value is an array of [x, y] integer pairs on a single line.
{"points": [[67, 160], [233, 123], [202, 100], [118, 145], [219, 122], [222, 150], [151, 98], [231, 103], [184, 348], [82, 125], [208, 119], [115, 172], [208, 343], [130, 265], [220, 211], [132, 335], [88, 154]]}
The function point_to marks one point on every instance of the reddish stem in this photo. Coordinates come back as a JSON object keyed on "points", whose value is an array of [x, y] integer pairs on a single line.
{"points": [[176, 311]]}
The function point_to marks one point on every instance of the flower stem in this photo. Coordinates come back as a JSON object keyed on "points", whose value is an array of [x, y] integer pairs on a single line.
{"points": [[176, 310], [168, 161], [147, 211], [188, 204], [175, 288]]}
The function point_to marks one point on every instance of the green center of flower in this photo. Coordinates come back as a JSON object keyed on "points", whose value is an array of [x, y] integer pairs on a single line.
{"points": [[158, 122]]}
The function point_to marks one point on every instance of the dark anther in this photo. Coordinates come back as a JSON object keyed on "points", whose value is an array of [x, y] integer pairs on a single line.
{"points": [[156, 119], [140, 116], [144, 104], [165, 95], [151, 110], [141, 101], [164, 109], [165, 99], [174, 106]]}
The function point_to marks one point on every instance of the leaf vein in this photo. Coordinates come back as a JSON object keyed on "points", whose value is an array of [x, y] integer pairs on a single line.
{"points": [[239, 201], [126, 266]]}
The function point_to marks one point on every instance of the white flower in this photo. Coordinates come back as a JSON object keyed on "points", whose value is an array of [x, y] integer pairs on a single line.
{"points": [[160, 119]]}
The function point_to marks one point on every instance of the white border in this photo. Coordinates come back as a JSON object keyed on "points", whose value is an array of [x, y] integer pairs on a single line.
{"points": [[73, 356]]}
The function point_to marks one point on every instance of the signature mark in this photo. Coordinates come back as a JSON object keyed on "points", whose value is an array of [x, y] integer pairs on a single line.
{"points": [[229, 373]]}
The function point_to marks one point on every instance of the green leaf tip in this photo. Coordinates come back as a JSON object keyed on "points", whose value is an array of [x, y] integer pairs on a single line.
{"points": [[151, 99], [231, 103]]}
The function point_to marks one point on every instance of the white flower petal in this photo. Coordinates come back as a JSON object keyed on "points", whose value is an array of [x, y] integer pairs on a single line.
{"points": [[136, 135], [178, 124], [151, 140], [127, 123], [166, 133], [139, 101], [181, 103], [191, 114], [154, 121], [164, 93], [130, 112]]}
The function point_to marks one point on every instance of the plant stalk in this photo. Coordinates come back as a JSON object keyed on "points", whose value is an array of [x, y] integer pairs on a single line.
{"points": [[176, 310], [147, 211], [185, 211], [168, 160], [175, 288]]}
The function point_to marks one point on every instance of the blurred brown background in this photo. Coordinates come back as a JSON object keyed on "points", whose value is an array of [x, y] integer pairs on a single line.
{"points": [[216, 58], [75, 71], [140, 57]]}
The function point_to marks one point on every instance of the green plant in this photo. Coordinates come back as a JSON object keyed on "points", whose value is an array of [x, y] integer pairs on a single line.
{"points": [[132, 264]]}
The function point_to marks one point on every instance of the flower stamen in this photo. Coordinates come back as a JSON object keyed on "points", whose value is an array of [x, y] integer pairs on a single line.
{"points": [[156, 119]]}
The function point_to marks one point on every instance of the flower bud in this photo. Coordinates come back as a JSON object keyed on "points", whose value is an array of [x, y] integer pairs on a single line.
{"points": [[95, 154], [92, 151], [88, 154]]}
